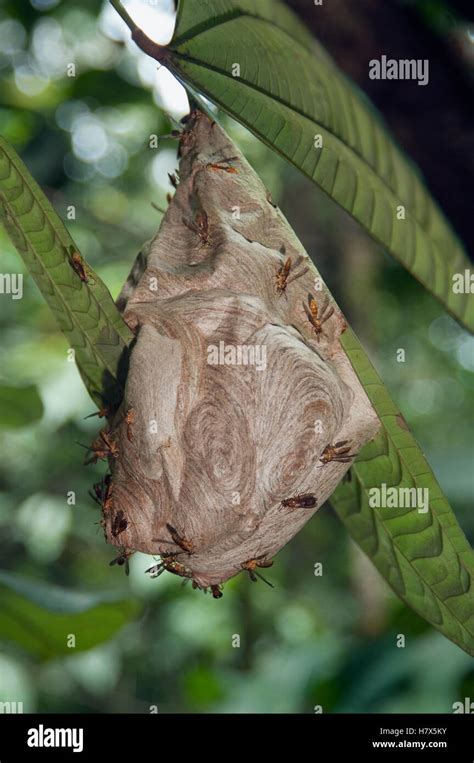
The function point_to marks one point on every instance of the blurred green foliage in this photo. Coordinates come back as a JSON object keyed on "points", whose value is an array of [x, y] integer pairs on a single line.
{"points": [[327, 640], [48, 621]]}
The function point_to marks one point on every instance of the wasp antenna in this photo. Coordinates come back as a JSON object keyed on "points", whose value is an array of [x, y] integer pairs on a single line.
{"points": [[173, 135], [296, 276], [83, 446], [93, 459], [264, 579]]}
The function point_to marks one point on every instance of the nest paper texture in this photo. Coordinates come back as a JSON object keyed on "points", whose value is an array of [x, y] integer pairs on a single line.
{"points": [[231, 393]]}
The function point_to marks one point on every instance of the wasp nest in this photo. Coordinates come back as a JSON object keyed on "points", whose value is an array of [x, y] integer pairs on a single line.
{"points": [[241, 412]]}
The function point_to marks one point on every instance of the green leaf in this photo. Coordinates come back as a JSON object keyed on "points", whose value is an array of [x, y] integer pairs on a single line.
{"points": [[85, 311], [286, 95], [19, 406], [39, 616], [192, 18], [425, 557]]}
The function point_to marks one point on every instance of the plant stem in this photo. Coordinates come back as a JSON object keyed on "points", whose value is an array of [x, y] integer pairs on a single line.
{"points": [[150, 47], [123, 13]]}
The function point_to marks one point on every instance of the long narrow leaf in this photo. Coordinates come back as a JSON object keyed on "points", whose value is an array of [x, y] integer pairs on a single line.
{"points": [[83, 307], [423, 555]]}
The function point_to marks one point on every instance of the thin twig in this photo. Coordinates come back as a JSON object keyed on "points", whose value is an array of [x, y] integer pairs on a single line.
{"points": [[123, 13], [150, 47]]}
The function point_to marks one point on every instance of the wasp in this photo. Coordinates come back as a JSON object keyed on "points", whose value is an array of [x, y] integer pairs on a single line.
{"points": [[269, 198], [102, 447], [169, 563], [119, 523], [78, 265], [106, 446], [180, 540], [337, 452], [224, 165], [174, 178], [107, 499], [103, 492], [122, 560], [103, 496], [251, 565], [282, 279], [99, 490], [216, 590], [173, 135], [104, 412], [129, 419], [95, 448], [300, 501], [184, 136], [316, 320], [200, 226]]}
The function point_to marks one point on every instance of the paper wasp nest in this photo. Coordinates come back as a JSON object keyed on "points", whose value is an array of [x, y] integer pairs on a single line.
{"points": [[233, 392]]}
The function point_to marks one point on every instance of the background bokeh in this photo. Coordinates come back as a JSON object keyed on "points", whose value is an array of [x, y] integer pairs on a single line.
{"points": [[327, 640]]}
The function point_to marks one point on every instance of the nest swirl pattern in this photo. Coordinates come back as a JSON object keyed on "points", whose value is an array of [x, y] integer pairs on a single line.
{"points": [[233, 393]]}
